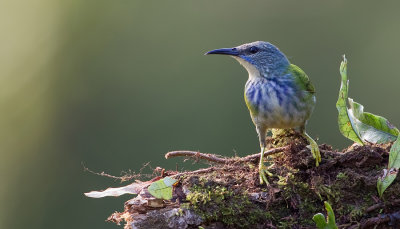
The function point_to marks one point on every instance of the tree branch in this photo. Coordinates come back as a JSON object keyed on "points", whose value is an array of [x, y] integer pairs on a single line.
{"points": [[221, 160]]}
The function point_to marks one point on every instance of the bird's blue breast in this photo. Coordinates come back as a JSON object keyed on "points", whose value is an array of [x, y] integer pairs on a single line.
{"points": [[277, 102]]}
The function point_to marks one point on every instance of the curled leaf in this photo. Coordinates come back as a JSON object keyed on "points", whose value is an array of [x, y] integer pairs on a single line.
{"points": [[357, 125], [133, 188], [344, 121], [371, 128]]}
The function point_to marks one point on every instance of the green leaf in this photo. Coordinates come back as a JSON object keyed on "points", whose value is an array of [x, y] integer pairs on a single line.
{"points": [[162, 189], [357, 125], [371, 128], [389, 174], [394, 155], [319, 218], [362, 127], [344, 121]]}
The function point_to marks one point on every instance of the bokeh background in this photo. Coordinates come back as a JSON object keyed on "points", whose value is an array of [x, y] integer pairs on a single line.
{"points": [[116, 84]]}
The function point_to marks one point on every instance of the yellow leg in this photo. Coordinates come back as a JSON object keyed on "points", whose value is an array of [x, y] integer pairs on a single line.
{"points": [[262, 131], [262, 169]]}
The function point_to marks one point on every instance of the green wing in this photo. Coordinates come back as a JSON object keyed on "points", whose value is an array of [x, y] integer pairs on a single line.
{"points": [[301, 78]]}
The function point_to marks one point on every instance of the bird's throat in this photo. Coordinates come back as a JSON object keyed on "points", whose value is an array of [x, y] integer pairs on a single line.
{"points": [[251, 69]]}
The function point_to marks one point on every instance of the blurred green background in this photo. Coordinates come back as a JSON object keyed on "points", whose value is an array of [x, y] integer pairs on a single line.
{"points": [[115, 84]]}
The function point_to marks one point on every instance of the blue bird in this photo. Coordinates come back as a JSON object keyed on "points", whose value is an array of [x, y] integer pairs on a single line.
{"points": [[278, 94]]}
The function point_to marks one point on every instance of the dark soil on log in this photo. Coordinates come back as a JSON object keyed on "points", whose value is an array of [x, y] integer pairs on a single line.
{"points": [[230, 195]]}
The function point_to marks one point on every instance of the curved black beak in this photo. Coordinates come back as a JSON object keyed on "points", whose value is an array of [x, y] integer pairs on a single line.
{"points": [[224, 51]]}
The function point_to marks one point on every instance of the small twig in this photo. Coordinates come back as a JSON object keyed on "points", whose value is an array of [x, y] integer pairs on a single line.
{"points": [[343, 226], [267, 153], [199, 171], [126, 175], [197, 155], [219, 160], [374, 207], [206, 170], [381, 205], [375, 221], [384, 218], [103, 174]]}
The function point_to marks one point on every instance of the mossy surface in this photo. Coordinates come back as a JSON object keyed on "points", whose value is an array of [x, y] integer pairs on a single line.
{"points": [[230, 196], [215, 203], [347, 180]]}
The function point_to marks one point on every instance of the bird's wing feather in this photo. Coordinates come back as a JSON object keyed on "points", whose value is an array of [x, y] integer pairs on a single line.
{"points": [[301, 78]]}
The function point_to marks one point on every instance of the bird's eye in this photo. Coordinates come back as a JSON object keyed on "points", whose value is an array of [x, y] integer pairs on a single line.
{"points": [[253, 49]]}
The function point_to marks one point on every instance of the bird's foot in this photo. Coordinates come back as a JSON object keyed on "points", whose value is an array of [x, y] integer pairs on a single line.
{"points": [[263, 174]]}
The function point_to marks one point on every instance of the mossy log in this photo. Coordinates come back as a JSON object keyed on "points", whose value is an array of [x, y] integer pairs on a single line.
{"points": [[229, 195]]}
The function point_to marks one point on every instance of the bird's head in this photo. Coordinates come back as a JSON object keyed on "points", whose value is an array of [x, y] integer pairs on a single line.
{"points": [[260, 58]]}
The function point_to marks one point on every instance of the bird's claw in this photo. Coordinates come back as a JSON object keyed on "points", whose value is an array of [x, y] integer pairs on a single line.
{"points": [[263, 174]]}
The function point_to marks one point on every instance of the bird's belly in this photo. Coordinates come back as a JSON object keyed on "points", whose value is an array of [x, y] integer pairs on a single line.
{"points": [[279, 108], [279, 120]]}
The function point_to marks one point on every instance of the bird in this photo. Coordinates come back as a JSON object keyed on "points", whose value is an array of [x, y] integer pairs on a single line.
{"points": [[278, 94]]}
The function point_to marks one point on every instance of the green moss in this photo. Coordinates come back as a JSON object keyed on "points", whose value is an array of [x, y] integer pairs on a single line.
{"points": [[356, 213], [283, 137], [341, 176], [297, 195], [287, 223], [215, 203], [308, 202], [329, 193]]}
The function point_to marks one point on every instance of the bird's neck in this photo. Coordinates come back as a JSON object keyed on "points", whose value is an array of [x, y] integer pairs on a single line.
{"points": [[255, 74], [266, 71]]}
